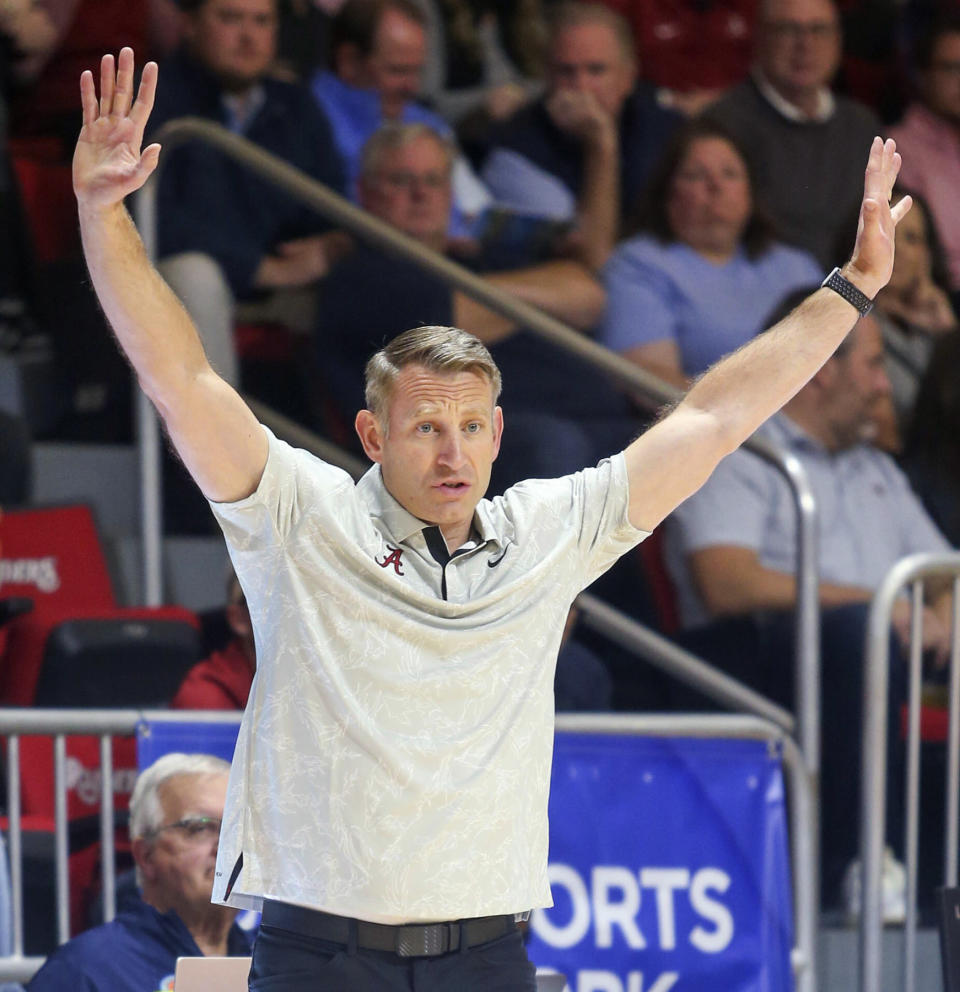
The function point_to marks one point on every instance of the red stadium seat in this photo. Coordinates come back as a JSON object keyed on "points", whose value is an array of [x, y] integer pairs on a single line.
{"points": [[54, 557]]}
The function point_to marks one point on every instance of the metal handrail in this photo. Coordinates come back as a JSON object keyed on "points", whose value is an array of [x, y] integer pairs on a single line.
{"points": [[640, 382], [912, 571], [680, 663]]}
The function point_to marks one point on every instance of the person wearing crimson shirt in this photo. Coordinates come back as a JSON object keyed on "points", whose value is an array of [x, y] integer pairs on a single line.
{"points": [[222, 681]]}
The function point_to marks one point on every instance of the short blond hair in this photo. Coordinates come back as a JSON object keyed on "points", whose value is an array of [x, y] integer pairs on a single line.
{"points": [[446, 350]]}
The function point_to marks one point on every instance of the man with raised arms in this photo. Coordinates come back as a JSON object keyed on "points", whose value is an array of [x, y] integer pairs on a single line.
{"points": [[388, 800]]}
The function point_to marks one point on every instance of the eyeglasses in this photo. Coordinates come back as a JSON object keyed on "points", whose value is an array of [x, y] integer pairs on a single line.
{"points": [[947, 68], [194, 827], [795, 30], [406, 180]]}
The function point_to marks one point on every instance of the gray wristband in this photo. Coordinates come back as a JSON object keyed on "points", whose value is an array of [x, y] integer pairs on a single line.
{"points": [[848, 291]]}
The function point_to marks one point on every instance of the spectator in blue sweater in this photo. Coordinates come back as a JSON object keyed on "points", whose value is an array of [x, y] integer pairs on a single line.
{"points": [[175, 814]]}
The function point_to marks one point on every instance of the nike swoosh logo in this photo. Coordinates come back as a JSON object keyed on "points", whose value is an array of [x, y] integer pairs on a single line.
{"points": [[493, 562]]}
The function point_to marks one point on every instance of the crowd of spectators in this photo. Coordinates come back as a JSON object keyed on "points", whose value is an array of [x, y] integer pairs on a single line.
{"points": [[659, 176]]}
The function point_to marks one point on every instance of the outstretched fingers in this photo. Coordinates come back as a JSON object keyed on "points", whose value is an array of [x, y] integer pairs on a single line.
{"points": [[88, 97], [140, 111], [107, 85], [124, 93], [148, 162], [901, 208], [883, 167]]}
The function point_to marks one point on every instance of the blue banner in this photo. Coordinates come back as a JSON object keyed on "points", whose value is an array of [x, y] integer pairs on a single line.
{"points": [[669, 867], [191, 737]]}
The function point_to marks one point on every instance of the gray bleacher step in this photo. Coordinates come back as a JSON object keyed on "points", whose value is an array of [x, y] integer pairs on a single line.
{"points": [[106, 477], [195, 570], [838, 957], [103, 475]]}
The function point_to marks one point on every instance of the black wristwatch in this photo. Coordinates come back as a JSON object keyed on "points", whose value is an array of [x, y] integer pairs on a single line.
{"points": [[848, 291]]}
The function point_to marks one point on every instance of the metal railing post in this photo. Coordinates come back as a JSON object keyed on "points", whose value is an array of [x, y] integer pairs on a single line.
{"points": [[107, 851], [952, 783], [148, 435], [16, 840], [874, 756]]}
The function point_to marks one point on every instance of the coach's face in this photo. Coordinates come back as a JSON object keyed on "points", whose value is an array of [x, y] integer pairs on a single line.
{"points": [[438, 445]]}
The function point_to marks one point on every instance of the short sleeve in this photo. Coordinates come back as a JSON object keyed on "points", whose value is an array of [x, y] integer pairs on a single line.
{"points": [[920, 533], [293, 482], [639, 301], [587, 510], [519, 185]]}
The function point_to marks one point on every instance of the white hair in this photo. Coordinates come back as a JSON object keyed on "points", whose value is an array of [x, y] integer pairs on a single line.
{"points": [[146, 812]]}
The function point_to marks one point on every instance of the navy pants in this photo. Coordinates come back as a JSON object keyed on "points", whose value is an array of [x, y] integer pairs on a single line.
{"points": [[290, 962]]}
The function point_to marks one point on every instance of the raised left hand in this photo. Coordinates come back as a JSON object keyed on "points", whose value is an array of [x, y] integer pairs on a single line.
{"points": [[872, 262]]}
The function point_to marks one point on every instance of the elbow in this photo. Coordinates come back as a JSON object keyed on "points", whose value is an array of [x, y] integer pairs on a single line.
{"points": [[589, 303], [718, 431], [596, 304], [170, 391]]}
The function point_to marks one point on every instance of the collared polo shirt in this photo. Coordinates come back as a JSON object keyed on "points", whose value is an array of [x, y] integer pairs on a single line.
{"points": [[394, 758], [869, 517]]}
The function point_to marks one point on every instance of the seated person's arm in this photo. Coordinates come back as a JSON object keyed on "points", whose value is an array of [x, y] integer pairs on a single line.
{"points": [[301, 261], [216, 435], [563, 289], [641, 320], [578, 113], [731, 580]]}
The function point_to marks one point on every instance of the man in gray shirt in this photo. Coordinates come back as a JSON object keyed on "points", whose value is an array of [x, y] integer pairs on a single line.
{"points": [[388, 796], [731, 552]]}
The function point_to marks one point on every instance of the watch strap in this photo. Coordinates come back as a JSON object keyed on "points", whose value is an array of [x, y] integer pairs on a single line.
{"points": [[848, 291]]}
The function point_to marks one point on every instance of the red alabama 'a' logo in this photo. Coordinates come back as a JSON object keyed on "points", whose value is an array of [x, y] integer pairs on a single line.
{"points": [[392, 559]]}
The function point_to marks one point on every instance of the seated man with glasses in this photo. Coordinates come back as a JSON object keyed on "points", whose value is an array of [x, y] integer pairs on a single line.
{"points": [[805, 142], [175, 814]]}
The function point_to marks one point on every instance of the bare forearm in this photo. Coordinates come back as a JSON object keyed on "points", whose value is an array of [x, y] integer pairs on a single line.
{"points": [[564, 289], [152, 328], [746, 388], [770, 590], [599, 206]]}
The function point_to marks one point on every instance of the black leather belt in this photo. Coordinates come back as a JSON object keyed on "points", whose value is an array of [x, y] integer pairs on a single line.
{"points": [[410, 940]]}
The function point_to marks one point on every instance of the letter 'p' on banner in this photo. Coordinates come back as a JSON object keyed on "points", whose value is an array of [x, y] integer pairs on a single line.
{"points": [[669, 867]]}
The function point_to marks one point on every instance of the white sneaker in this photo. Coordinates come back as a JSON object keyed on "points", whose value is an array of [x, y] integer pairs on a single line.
{"points": [[893, 886]]}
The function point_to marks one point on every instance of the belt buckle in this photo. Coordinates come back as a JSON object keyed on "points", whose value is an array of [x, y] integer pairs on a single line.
{"points": [[423, 941]]}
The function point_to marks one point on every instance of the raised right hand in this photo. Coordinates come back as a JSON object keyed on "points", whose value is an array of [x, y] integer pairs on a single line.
{"points": [[108, 164]]}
